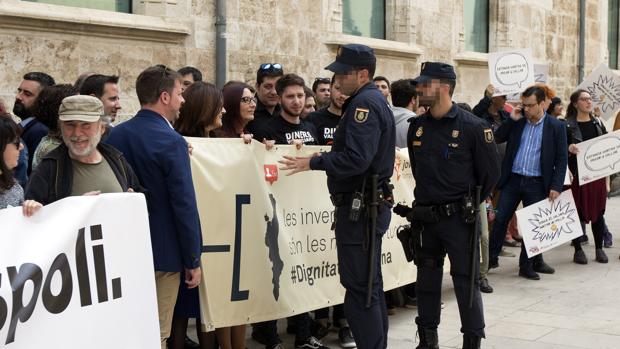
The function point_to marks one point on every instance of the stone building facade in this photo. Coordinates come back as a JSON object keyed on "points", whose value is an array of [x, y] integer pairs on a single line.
{"points": [[300, 34]]}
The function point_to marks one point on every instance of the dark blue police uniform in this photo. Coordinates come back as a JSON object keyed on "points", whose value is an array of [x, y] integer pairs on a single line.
{"points": [[450, 156], [364, 144]]}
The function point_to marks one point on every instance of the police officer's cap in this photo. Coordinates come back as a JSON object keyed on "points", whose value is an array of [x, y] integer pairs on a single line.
{"points": [[351, 56], [435, 70]]}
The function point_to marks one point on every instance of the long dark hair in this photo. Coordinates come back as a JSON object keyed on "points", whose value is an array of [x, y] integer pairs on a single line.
{"points": [[203, 103], [48, 103], [9, 133], [232, 101], [571, 111]]}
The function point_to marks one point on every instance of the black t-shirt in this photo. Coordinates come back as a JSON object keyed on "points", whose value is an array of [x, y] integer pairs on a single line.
{"points": [[325, 123], [283, 132], [588, 130]]}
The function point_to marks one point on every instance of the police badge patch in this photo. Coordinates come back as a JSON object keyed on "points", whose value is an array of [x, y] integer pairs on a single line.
{"points": [[488, 135], [455, 133], [419, 132], [361, 115]]}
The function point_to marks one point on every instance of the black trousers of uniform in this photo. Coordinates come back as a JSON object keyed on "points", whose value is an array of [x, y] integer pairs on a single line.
{"points": [[369, 325], [452, 236]]}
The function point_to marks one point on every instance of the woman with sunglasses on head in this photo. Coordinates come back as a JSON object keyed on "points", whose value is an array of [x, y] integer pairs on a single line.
{"points": [[11, 193], [590, 198], [199, 116]]}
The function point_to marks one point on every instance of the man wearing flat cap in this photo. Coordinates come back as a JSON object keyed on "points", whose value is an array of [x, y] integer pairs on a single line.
{"points": [[363, 151], [452, 153], [81, 165]]}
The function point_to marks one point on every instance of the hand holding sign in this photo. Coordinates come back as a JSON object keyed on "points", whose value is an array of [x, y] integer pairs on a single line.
{"points": [[604, 87], [511, 71], [598, 157]]}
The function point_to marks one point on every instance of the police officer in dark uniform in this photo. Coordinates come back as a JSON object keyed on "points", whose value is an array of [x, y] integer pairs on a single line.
{"points": [[363, 149], [452, 152]]}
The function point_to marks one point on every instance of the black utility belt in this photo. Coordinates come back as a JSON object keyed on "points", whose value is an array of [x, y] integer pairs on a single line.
{"points": [[344, 199], [433, 214]]}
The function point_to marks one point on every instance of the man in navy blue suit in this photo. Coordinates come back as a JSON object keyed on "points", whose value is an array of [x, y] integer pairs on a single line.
{"points": [[533, 169], [160, 158]]}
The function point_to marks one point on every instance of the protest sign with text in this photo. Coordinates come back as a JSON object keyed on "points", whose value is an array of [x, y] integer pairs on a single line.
{"points": [[511, 71], [603, 85], [78, 274], [269, 250], [548, 224], [598, 157]]}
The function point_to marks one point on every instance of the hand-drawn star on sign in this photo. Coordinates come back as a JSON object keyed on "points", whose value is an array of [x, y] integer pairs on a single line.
{"points": [[549, 223], [605, 93]]}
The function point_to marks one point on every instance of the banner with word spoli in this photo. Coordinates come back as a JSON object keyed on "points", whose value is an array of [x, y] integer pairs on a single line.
{"points": [[78, 274]]}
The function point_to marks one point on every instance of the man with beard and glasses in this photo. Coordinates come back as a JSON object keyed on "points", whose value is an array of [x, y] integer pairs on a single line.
{"points": [[81, 165], [326, 120], [25, 99]]}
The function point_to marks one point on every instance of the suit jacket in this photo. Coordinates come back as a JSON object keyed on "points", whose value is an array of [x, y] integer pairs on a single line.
{"points": [[160, 159], [554, 150]]}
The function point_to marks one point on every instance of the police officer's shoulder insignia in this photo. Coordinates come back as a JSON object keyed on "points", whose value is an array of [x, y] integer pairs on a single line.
{"points": [[361, 115], [455, 133], [419, 132], [488, 135]]}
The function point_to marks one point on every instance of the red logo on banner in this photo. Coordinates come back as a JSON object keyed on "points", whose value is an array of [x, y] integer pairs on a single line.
{"points": [[271, 173]]}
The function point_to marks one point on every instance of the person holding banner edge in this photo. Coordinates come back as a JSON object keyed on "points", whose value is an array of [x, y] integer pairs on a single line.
{"points": [[364, 147], [532, 170], [590, 198]]}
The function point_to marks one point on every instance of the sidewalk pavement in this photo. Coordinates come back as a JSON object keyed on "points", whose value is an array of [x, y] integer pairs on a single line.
{"points": [[577, 307]]}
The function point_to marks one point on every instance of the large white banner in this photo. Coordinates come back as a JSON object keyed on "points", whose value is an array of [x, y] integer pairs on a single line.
{"points": [[548, 224], [269, 251], [511, 71], [604, 87], [78, 274], [598, 157]]}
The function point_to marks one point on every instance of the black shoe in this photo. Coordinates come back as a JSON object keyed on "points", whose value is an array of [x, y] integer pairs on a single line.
{"points": [[529, 274], [543, 268], [601, 257], [580, 257], [471, 342], [310, 343], [484, 286], [318, 330], [493, 264], [428, 339], [345, 338], [190, 344]]}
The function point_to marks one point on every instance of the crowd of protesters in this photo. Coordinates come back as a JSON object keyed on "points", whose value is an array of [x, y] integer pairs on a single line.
{"points": [[62, 140]]}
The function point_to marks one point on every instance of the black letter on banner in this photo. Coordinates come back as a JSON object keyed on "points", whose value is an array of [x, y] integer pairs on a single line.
{"points": [[100, 275], [57, 304], [236, 294], [81, 265], [27, 271], [4, 310]]}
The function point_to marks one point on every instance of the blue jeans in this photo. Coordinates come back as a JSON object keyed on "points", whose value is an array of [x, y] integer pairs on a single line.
{"points": [[519, 188]]}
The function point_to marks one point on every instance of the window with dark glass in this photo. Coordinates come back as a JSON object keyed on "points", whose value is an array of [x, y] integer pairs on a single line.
{"points": [[476, 23], [612, 33], [364, 18], [109, 5]]}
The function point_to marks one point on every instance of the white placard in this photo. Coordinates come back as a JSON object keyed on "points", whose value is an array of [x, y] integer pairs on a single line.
{"points": [[511, 71], [83, 268], [598, 157], [545, 224], [604, 87]]}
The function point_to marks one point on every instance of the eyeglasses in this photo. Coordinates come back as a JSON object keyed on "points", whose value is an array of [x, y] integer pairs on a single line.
{"points": [[585, 99], [271, 67], [323, 80], [248, 100]]}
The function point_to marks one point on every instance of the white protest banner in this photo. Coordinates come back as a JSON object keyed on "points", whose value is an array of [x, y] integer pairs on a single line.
{"points": [[604, 88], [598, 157], [78, 274], [546, 224], [511, 71], [269, 249]]}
